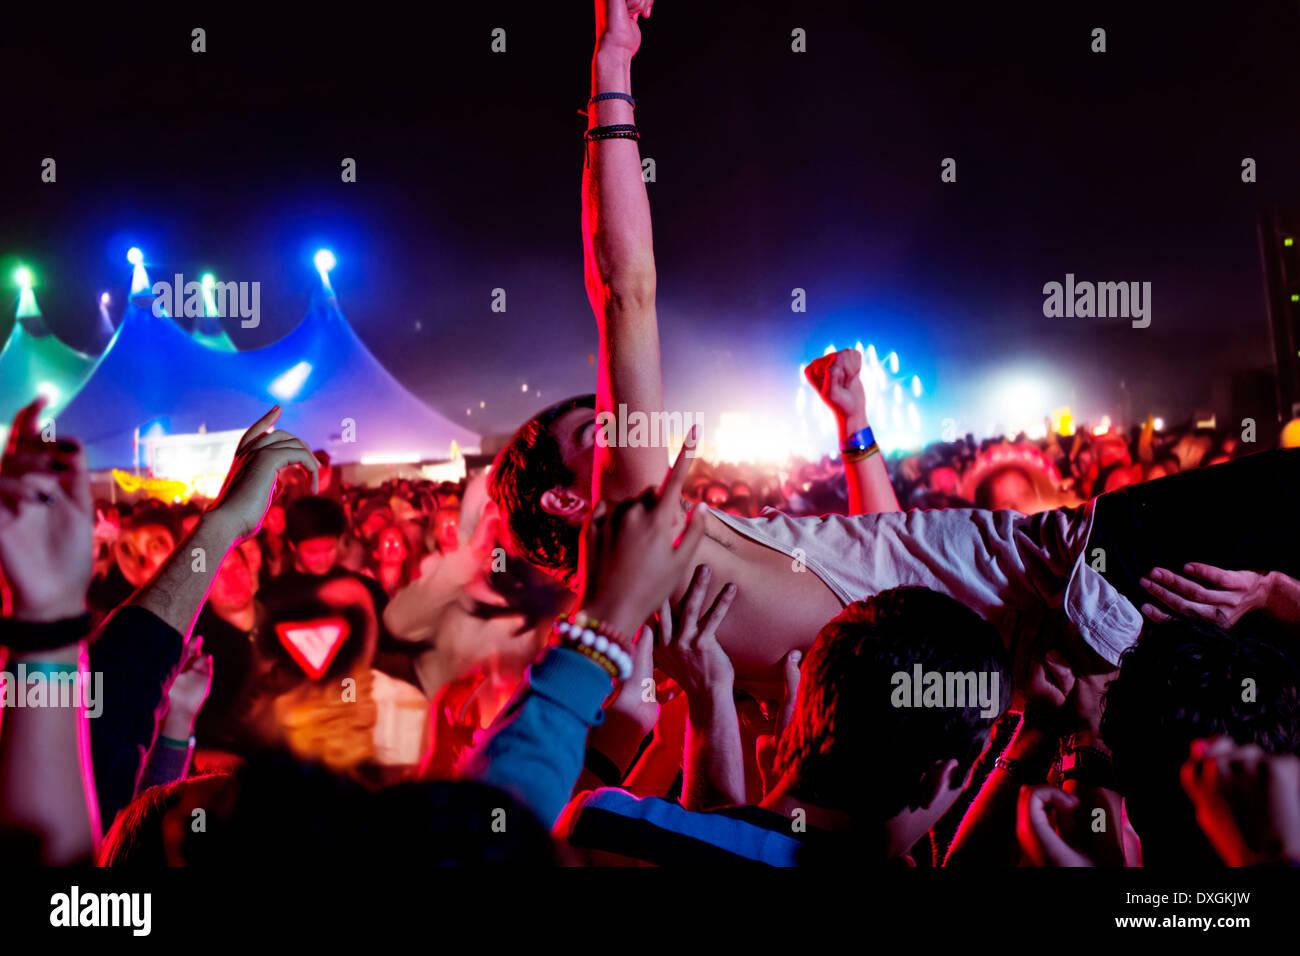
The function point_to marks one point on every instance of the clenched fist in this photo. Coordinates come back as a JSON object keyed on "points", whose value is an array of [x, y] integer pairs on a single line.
{"points": [[837, 379]]}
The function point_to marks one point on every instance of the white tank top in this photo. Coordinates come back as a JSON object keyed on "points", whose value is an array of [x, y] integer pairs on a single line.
{"points": [[1014, 570]]}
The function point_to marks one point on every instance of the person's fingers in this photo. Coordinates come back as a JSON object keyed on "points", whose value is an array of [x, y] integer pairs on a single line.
{"points": [[671, 491], [665, 623], [272, 437], [692, 603], [1037, 835], [1051, 796], [1177, 601], [1187, 587], [258, 427], [1206, 747], [76, 481], [690, 539], [26, 422], [282, 456], [1217, 576], [643, 655], [786, 713], [1154, 613], [717, 613], [15, 491], [43, 487]]}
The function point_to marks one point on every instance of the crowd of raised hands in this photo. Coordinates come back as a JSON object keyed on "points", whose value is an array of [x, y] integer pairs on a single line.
{"points": [[672, 726], [629, 738]]}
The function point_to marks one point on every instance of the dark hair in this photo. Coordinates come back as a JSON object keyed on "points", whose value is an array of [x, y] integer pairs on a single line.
{"points": [[1181, 681], [845, 719], [303, 813], [152, 514], [526, 468], [136, 836], [313, 517]]}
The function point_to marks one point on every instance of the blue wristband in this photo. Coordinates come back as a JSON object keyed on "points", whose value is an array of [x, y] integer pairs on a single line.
{"points": [[860, 440]]}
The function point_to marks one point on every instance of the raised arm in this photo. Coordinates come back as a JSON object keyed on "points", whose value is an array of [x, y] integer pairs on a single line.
{"points": [[836, 379], [618, 253], [688, 651], [46, 518], [177, 592]]}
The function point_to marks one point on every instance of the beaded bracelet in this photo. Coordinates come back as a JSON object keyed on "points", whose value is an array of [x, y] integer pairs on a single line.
{"points": [[600, 97], [595, 640], [617, 131]]}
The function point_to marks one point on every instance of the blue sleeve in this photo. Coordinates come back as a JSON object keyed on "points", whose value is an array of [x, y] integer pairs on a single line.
{"points": [[165, 764], [137, 652], [535, 749]]}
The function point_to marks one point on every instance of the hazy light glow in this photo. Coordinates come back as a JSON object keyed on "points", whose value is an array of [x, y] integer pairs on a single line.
{"points": [[288, 384], [105, 299], [324, 261], [23, 276], [135, 256]]}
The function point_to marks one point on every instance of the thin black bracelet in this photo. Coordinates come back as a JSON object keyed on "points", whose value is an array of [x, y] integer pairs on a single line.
{"points": [[605, 770], [600, 97], [23, 637], [617, 131]]}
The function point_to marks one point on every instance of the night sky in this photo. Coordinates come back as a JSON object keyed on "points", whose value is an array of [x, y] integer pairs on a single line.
{"points": [[775, 170]]}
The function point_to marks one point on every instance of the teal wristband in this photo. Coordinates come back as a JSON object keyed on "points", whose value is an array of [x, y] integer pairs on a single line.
{"points": [[48, 669], [173, 742]]}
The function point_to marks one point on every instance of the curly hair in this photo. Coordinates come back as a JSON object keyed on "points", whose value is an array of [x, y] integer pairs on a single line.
{"points": [[1181, 681], [526, 468], [844, 716]]}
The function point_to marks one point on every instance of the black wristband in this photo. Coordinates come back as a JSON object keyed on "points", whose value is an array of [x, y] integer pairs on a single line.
{"points": [[605, 770], [616, 131], [23, 637]]}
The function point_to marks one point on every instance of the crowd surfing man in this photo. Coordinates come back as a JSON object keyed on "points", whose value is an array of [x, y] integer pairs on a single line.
{"points": [[1069, 578]]}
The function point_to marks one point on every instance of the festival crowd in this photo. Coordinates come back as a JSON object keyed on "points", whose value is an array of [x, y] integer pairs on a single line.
{"points": [[1076, 651]]}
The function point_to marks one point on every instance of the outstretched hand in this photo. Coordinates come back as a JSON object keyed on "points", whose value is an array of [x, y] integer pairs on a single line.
{"points": [[631, 554], [687, 647], [250, 484], [1224, 598], [47, 521]]}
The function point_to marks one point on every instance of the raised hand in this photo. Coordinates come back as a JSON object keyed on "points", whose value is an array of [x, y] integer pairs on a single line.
{"points": [[188, 691], [687, 648], [837, 379], [1247, 801], [1038, 838], [616, 25], [631, 554], [766, 745], [47, 520], [250, 484]]}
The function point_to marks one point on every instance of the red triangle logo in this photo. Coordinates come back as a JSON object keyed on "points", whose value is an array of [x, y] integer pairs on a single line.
{"points": [[313, 644]]}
